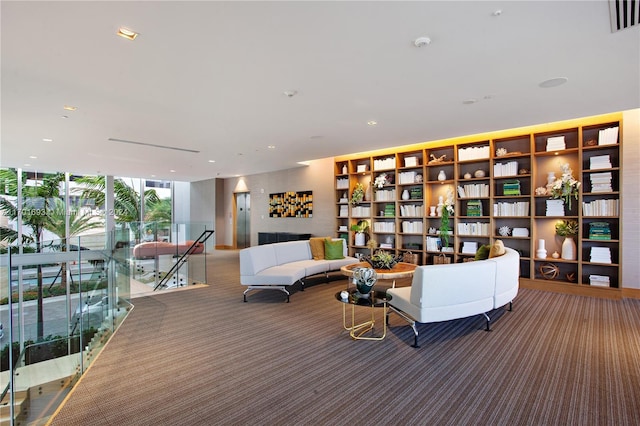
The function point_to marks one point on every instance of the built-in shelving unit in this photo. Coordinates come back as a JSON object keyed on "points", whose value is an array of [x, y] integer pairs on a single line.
{"points": [[496, 181]]}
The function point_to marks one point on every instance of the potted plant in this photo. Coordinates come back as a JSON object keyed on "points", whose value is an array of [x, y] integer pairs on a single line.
{"points": [[360, 228], [357, 195], [382, 260], [568, 229]]}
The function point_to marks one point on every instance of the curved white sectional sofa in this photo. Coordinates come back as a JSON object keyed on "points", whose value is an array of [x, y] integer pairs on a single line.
{"points": [[279, 265], [447, 292]]}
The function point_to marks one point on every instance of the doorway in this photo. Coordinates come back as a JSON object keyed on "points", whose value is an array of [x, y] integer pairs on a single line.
{"points": [[243, 220]]}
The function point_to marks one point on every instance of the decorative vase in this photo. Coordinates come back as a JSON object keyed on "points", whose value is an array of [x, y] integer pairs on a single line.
{"points": [[442, 175], [541, 253], [367, 193], [359, 238], [551, 177], [568, 249], [432, 211], [405, 194], [344, 169], [365, 278]]}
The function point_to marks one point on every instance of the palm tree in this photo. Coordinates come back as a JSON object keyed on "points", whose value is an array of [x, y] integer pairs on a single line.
{"points": [[78, 223], [126, 199], [36, 206]]}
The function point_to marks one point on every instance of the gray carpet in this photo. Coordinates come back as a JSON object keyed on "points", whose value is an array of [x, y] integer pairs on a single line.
{"points": [[203, 357]]}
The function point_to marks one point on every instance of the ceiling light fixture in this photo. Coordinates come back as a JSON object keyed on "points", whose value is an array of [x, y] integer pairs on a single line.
{"points": [[70, 108], [271, 147], [553, 82], [33, 157], [497, 12], [47, 140], [469, 101], [290, 93], [212, 161], [127, 33], [372, 123], [422, 41]]}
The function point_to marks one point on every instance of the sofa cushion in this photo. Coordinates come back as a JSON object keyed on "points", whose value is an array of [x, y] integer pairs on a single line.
{"points": [[317, 247], [333, 250], [483, 252], [497, 249]]}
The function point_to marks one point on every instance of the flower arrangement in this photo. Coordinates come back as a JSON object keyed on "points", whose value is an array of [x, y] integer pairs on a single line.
{"points": [[566, 228], [447, 210], [566, 187], [380, 180], [358, 194]]}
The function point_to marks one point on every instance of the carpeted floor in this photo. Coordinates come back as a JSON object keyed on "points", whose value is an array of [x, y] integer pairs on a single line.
{"points": [[203, 357]]}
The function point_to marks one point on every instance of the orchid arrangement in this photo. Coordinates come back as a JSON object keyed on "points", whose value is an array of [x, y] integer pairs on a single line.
{"points": [[380, 180], [447, 210], [566, 187]]}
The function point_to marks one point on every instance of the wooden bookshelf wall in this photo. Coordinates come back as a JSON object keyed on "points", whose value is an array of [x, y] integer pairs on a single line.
{"points": [[493, 178]]}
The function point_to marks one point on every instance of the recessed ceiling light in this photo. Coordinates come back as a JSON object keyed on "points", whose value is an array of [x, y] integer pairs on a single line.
{"points": [[372, 123], [290, 93], [212, 161], [47, 140], [27, 165], [271, 147], [70, 108], [64, 116], [422, 41], [469, 101], [127, 33], [497, 12], [153, 175], [172, 171], [553, 82], [33, 157]]}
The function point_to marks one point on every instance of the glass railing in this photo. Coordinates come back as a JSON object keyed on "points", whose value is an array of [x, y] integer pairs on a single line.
{"points": [[59, 304], [176, 259]]}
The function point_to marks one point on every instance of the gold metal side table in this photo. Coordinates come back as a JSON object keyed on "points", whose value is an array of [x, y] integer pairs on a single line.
{"points": [[375, 299]]}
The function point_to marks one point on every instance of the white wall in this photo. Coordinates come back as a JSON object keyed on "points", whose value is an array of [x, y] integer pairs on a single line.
{"points": [[631, 200], [317, 177]]}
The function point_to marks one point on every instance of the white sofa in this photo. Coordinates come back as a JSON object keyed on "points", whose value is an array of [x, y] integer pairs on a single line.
{"points": [[447, 292], [276, 266]]}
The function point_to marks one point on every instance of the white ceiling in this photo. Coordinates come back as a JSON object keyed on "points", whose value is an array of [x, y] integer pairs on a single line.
{"points": [[211, 76]]}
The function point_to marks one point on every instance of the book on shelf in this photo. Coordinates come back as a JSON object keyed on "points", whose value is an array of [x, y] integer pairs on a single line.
{"points": [[599, 280], [511, 187], [599, 231], [601, 182], [505, 169], [474, 208], [556, 143], [600, 255], [415, 193], [555, 208], [608, 136], [469, 247], [601, 207], [600, 162]]}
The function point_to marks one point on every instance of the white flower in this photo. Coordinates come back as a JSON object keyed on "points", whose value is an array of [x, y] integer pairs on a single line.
{"points": [[565, 187], [380, 181]]}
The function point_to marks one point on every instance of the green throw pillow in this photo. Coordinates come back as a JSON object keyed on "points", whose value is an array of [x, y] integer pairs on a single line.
{"points": [[483, 252], [333, 249]]}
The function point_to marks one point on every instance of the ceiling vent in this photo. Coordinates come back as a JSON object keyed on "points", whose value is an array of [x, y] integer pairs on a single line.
{"points": [[624, 14]]}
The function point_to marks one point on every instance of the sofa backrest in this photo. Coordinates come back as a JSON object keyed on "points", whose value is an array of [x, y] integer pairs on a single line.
{"points": [[444, 285], [292, 251], [257, 258], [508, 276]]}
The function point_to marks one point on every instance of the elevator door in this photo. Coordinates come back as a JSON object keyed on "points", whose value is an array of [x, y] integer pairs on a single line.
{"points": [[243, 220]]}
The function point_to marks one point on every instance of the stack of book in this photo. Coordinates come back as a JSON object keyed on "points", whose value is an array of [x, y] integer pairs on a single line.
{"points": [[473, 153], [599, 280], [416, 193], [556, 143], [600, 182], [344, 211], [600, 254], [505, 169], [555, 208], [608, 136], [433, 243], [601, 208], [406, 177], [511, 187], [474, 208], [599, 231], [520, 232], [411, 227], [600, 162], [390, 210], [469, 247]]}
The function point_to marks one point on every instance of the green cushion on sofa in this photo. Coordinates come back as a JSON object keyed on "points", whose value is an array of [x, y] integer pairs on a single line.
{"points": [[333, 249], [483, 252]]}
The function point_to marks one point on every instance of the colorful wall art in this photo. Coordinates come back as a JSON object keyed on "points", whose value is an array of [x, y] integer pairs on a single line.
{"points": [[291, 204]]}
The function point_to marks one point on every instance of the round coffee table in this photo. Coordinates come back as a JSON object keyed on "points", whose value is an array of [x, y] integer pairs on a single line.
{"points": [[400, 270], [375, 299]]}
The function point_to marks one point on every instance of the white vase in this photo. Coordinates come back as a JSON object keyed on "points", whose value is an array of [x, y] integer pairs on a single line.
{"points": [[405, 194], [551, 177], [568, 249], [367, 193], [442, 175], [541, 253], [359, 238]]}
